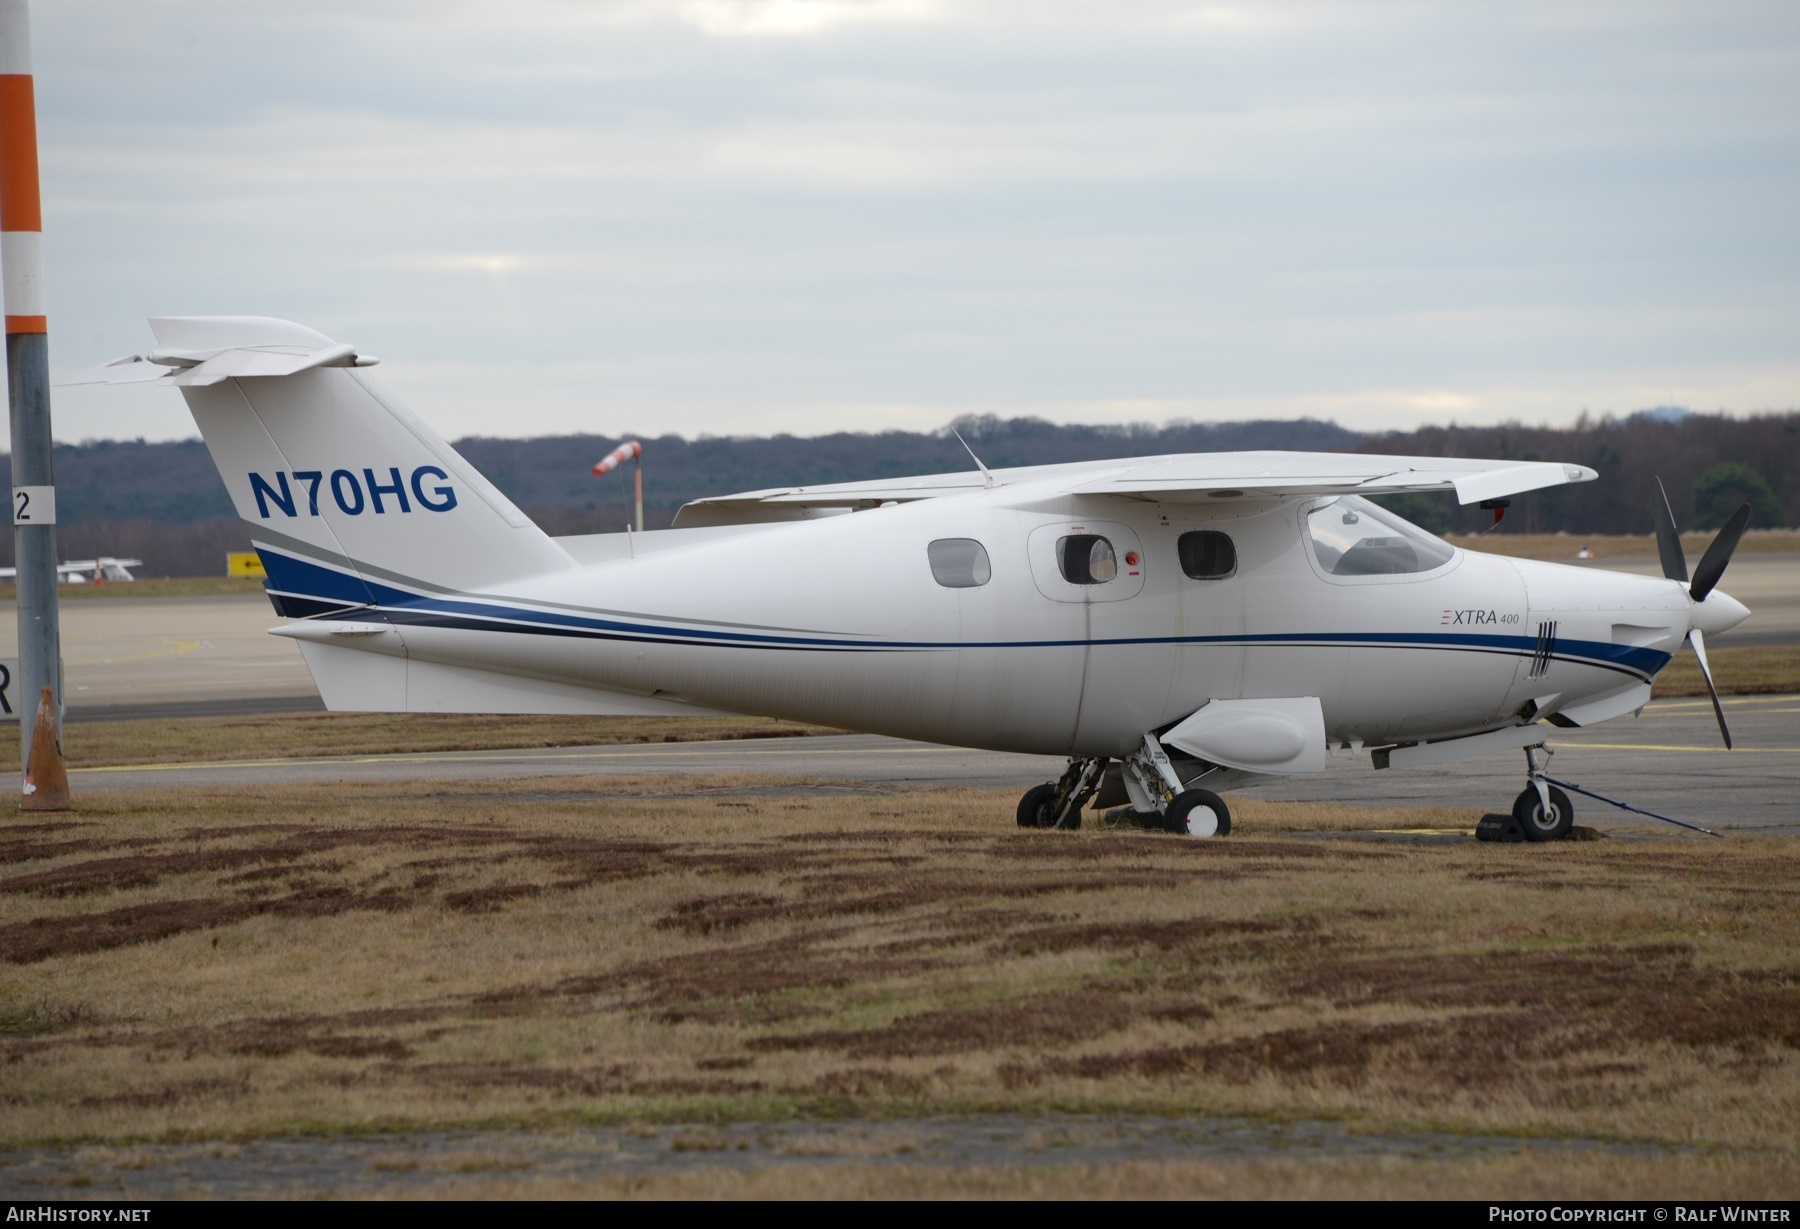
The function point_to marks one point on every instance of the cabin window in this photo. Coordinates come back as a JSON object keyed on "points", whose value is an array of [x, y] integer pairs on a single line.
{"points": [[1353, 537], [959, 563], [1206, 554], [1086, 559]]}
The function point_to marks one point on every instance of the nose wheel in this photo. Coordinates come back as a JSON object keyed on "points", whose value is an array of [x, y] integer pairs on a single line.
{"points": [[1542, 811], [1540, 822]]}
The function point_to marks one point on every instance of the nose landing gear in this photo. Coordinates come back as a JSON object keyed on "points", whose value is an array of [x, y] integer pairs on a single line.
{"points": [[1542, 811]]}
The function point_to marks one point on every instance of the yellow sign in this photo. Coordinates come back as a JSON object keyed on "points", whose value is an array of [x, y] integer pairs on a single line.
{"points": [[245, 563]]}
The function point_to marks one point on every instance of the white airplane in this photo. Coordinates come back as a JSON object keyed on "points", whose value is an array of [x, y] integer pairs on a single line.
{"points": [[80, 571], [1173, 625]]}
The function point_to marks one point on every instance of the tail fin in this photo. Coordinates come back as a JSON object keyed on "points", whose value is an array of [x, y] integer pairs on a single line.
{"points": [[348, 495]]}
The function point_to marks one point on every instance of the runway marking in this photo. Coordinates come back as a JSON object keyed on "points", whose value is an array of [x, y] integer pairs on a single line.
{"points": [[1665, 706], [1586, 746]]}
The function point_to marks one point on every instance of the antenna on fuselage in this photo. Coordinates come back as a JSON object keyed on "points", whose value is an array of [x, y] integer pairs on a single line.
{"points": [[987, 477]]}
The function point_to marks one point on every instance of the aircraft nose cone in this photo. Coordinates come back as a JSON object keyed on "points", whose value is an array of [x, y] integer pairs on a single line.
{"points": [[1720, 612]]}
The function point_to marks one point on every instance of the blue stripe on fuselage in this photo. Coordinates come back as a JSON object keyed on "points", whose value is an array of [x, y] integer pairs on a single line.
{"points": [[303, 585]]}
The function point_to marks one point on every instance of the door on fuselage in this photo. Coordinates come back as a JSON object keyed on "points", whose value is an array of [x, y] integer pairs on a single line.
{"points": [[1094, 572]]}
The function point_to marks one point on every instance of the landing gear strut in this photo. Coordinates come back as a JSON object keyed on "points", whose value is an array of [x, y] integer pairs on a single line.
{"points": [[1057, 804], [1158, 795]]}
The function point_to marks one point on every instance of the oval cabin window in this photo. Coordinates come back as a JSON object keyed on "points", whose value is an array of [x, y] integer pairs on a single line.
{"points": [[959, 563], [1206, 554], [1086, 559]]}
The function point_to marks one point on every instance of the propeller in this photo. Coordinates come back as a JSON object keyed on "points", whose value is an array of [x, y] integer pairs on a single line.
{"points": [[1712, 563], [1706, 578]]}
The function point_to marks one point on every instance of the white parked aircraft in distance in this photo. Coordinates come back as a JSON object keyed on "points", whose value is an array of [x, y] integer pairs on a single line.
{"points": [[105, 569], [1173, 625]]}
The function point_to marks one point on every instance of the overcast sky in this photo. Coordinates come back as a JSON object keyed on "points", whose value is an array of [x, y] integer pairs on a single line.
{"points": [[751, 216]]}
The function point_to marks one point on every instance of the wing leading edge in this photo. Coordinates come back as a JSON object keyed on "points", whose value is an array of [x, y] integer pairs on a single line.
{"points": [[1182, 478]]}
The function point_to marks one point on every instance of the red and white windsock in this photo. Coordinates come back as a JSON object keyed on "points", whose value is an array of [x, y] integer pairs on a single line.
{"points": [[618, 456], [630, 450], [21, 215]]}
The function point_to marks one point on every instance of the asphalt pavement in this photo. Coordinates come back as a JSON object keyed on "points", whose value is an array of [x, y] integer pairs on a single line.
{"points": [[1668, 760]]}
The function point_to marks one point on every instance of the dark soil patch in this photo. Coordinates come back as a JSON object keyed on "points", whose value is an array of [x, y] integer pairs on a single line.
{"points": [[1047, 1020], [41, 938], [144, 870], [491, 899], [1195, 934], [168, 1096], [43, 851]]}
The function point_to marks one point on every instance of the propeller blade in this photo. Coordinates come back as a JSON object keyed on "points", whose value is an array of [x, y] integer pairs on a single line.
{"points": [[1712, 563], [1699, 643], [1668, 542]]}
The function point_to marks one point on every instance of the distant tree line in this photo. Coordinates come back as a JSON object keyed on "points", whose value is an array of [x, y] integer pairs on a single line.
{"points": [[164, 503], [1709, 464]]}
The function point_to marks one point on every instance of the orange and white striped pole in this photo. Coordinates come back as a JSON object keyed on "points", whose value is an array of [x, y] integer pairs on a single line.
{"points": [[632, 451], [21, 210], [28, 397]]}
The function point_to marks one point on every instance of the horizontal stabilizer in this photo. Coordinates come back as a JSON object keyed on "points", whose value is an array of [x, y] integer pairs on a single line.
{"points": [[187, 367]]}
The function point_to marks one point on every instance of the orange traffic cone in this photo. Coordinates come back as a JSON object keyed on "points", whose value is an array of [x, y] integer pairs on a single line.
{"points": [[46, 780]]}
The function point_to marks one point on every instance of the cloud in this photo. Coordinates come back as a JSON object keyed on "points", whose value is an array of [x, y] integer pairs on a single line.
{"points": [[902, 211], [763, 18]]}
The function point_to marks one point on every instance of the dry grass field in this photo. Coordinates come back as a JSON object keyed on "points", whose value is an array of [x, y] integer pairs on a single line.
{"points": [[228, 964], [1753, 670]]}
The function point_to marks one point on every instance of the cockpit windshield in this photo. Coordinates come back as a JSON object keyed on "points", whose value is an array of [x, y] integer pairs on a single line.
{"points": [[1353, 537]]}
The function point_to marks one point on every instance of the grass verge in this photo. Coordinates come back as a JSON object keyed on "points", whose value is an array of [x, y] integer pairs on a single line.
{"points": [[220, 963], [171, 740], [1561, 547], [1752, 670]]}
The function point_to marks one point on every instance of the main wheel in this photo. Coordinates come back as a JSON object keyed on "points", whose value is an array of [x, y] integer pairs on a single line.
{"points": [[1528, 809], [1037, 807], [1198, 812]]}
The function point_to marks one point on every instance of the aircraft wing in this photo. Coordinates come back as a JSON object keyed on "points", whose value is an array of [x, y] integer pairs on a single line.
{"points": [[794, 503], [1288, 475], [1185, 477]]}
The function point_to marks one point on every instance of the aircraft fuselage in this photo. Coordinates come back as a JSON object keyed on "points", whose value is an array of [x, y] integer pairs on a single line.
{"points": [[839, 621]]}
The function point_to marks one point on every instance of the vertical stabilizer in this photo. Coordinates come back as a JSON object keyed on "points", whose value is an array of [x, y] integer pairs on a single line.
{"points": [[348, 495]]}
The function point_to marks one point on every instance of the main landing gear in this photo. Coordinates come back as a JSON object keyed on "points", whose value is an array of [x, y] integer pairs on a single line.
{"points": [[1156, 792]]}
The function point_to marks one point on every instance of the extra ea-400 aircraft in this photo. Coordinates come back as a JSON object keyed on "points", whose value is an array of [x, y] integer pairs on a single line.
{"points": [[1174, 625]]}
